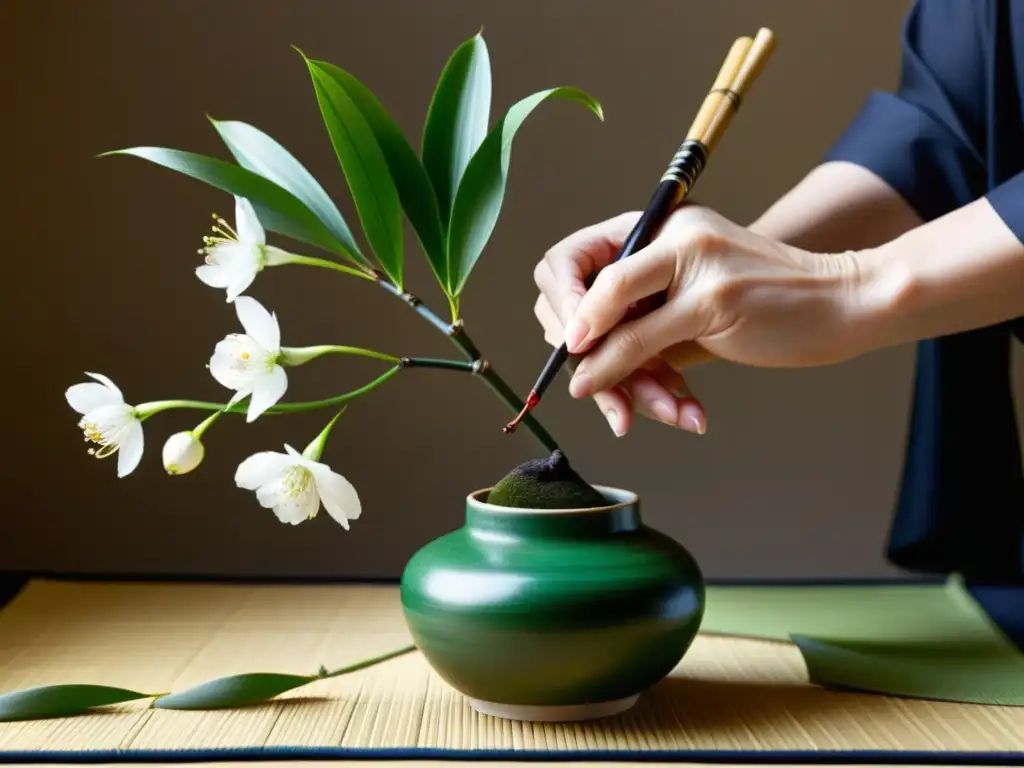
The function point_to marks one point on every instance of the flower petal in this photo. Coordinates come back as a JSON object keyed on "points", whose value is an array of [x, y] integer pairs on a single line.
{"points": [[247, 224], [293, 496], [260, 469], [233, 256], [238, 286], [238, 362], [111, 419], [259, 323], [266, 391], [338, 495], [130, 452], [89, 396], [214, 275], [107, 383]]}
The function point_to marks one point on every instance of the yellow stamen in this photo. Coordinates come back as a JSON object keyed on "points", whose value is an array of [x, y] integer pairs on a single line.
{"points": [[226, 226], [108, 444]]}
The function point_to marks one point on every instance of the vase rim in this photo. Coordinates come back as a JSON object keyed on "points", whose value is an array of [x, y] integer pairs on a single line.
{"points": [[628, 499]]}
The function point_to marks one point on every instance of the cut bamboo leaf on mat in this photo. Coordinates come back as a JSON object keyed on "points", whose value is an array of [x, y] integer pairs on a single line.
{"points": [[919, 640], [220, 693], [233, 691], [50, 701], [978, 673]]}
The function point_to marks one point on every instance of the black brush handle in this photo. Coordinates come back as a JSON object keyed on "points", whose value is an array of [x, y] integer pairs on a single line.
{"points": [[679, 177]]}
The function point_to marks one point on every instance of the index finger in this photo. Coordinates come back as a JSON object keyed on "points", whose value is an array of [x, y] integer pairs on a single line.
{"points": [[561, 276], [617, 288]]}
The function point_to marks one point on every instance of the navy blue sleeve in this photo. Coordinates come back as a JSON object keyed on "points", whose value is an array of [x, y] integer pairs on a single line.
{"points": [[1008, 201], [923, 139], [948, 136]]}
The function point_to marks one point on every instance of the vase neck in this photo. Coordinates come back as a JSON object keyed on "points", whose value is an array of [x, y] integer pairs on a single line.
{"points": [[485, 518]]}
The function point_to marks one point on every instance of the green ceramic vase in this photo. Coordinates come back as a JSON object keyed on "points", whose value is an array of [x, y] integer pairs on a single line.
{"points": [[553, 615]]}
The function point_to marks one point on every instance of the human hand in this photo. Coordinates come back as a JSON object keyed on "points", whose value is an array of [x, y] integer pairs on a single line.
{"points": [[704, 288]]}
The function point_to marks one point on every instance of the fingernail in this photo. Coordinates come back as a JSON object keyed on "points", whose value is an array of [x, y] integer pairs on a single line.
{"points": [[575, 334], [615, 422], [665, 411], [691, 418], [579, 386]]}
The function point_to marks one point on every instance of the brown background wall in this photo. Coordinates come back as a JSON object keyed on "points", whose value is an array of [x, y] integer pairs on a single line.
{"points": [[797, 473]]}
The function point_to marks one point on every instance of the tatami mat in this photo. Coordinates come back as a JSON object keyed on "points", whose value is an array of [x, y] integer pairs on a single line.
{"points": [[729, 694]]}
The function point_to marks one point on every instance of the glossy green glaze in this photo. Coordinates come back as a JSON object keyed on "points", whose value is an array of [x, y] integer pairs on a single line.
{"points": [[552, 607]]}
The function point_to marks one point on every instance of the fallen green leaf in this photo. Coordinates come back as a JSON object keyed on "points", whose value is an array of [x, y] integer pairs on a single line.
{"points": [[233, 691], [61, 701], [935, 668]]}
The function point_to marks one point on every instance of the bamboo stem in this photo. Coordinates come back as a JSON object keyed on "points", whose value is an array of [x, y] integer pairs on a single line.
{"points": [[457, 333]]}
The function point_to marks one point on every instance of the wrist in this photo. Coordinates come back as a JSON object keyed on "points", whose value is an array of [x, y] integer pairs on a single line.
{"points": [[885, 292]]}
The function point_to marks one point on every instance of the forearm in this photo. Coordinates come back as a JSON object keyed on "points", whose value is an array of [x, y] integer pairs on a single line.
{"points": [[962, 271], [837, 207]]}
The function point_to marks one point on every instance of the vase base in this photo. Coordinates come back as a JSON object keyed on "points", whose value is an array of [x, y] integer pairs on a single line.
{"points": [[555, 714]]}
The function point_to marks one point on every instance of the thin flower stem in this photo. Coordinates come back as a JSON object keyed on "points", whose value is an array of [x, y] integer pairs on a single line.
{"points": [[148, 409], [368, 662], [293, 356], [197, 431], [240, 407], [312, 261]]}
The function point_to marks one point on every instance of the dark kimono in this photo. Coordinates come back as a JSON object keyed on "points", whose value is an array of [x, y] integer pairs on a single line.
{"points": [[951, 134]]}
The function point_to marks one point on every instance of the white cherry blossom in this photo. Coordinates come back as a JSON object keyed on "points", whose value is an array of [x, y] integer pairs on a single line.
{"points": [[294, 485], [249, 362], [108, 422], [234, 258]]}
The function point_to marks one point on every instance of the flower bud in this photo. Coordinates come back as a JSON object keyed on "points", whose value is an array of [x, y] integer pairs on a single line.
{"points": [[183, 452]]}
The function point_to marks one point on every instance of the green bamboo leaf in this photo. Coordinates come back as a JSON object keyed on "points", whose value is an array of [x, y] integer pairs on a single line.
{"points": [[457, 120], [366, 170], [278, 210], [414, 188], [482, 190], [259, 153], [61, 701], [233, 691]]}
